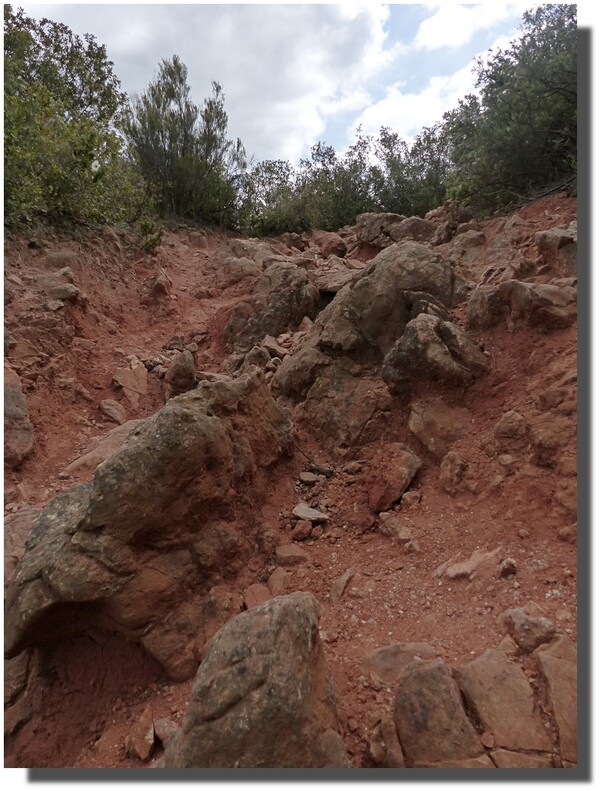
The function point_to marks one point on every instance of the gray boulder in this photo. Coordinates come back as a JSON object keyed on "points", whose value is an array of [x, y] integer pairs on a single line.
{"points": [[433, 350], [263, 696], [281, 297], [163, 517], [18, 431]]}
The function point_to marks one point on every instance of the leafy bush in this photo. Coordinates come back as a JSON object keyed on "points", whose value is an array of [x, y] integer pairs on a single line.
{"points": [[63, 156]]}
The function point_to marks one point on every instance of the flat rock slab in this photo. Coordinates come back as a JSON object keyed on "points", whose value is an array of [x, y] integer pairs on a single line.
{"points": [[501, 697], [340, 584], [506, 759], [102, 449], [431, 722], [256, 594], [133, 380], [290, 555], [388, 661], [480, 762], [113, 410], [307, 514], [468, 569], [558, 663], [279, 582]]}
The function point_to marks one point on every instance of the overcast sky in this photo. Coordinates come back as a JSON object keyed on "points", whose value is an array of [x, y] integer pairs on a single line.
{"points": [[293, 74]]}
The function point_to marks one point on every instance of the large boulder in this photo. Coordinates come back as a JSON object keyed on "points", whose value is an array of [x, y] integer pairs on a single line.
{"points": [[498, 692], [435, 350], [263, 696], [281, 297], [18, 431], [537, 304], [376, 228], [557, 248], [431, 722], [361, 324], [136, 549]]}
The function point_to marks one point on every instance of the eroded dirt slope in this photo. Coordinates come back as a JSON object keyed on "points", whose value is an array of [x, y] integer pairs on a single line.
{"points": [[515, 497]]}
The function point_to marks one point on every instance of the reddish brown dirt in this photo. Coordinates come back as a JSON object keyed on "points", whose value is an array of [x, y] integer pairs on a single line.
{"points": [[91, 690]]}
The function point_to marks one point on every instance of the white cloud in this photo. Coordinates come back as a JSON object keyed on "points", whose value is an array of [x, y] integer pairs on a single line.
{"points": [[407, 113], [453, 25], [286, 70]]}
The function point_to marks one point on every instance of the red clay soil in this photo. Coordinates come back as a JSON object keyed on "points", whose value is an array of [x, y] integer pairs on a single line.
{"points": [[88, 692]]}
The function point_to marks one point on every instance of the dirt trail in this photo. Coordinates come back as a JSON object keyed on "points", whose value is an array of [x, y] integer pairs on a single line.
{"points": [[93, 689]]}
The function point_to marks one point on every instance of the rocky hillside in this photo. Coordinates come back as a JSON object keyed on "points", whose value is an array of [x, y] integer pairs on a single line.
{"points": [[302, 502]]}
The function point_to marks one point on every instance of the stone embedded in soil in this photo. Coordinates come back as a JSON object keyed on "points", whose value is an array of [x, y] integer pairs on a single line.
{"points": [[392, 470], [307, 514], [180, 375], [340, 584], [388, 661], [393, 755], [256, 594], [437, 425], [290, 555], [527, 630], [302, 530], [18, 429], [477, 564], [279, 581], [164, 729], [501, 698], [452, 472], [308, 478], [133, 380], [139, 743], [508, 759], [558, 663], [113, 410], [481, 762], [394, 525], [508, 567], [431, 722]]}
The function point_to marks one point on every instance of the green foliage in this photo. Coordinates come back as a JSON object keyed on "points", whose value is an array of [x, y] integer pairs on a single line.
{"points": [[520, 134], [62, 154], [183, 150], [152, 234]]}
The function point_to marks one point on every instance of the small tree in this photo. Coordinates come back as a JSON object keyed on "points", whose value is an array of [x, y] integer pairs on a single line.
{"points": [[62, 153], [184, 150], [520, 134]]}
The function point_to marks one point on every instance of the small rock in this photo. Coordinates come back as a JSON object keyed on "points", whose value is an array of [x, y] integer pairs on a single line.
{"points": [[321, 469], [568, 534], [339, 586], [279, 581], [308, 514], [302, 530], [256, 594], [308, 478], [164, 730], [140, 742], [290, 555], [352, 468], [487, 739], [528, 631], [411, 498], [469, 568], [508, 567], [113, 411]]}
